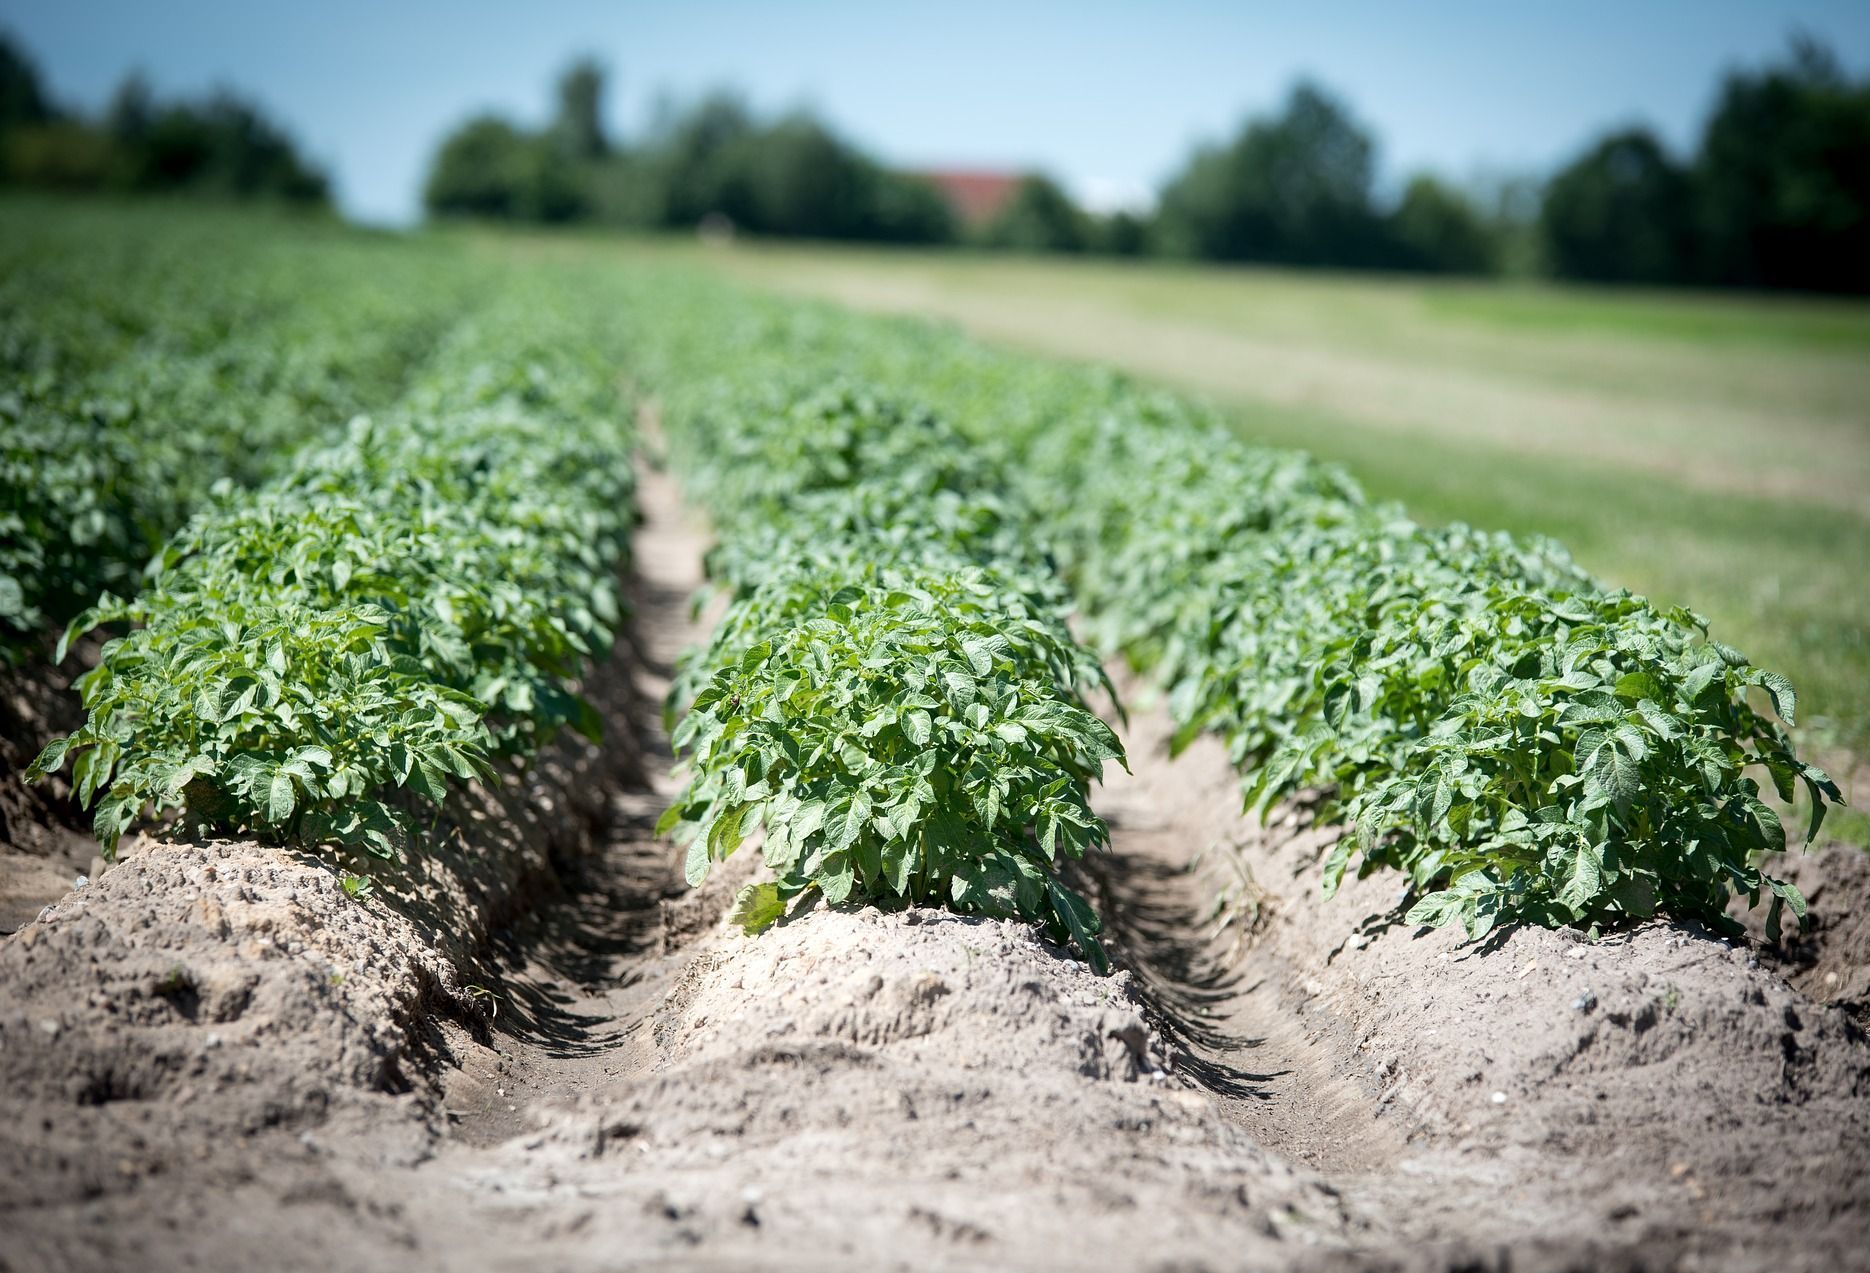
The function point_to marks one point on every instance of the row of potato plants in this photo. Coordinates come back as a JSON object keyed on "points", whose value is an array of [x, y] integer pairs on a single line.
{"points": [[318, 660], [1524, 742], [891, 696], [145, 357]]}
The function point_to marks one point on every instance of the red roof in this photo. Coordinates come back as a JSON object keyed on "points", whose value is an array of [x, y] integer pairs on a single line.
{"points": [[976, 196]]}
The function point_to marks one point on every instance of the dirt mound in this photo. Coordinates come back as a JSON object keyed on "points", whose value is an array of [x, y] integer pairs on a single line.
{"points": [[860, 1090], [1661, 1092], [1830, 959], [45, 840]]}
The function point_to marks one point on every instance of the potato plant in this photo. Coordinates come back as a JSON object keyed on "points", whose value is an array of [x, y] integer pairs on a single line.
{"points": [[314, 661], [131, 381], [900, 752], [892, 697]]}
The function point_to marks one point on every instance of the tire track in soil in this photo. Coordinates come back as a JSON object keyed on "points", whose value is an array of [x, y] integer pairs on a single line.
{"points": [[1221, 992], [579, 977]]}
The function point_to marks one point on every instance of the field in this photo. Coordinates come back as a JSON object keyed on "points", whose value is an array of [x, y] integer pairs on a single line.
{"points": [[571, 759]]}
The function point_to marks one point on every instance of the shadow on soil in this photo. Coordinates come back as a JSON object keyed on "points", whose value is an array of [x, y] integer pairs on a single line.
{"points": [[605, 919], [1156, 925]]}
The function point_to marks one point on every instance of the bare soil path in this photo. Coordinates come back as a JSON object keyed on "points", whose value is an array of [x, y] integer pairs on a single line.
{"points": [[574, 981]]}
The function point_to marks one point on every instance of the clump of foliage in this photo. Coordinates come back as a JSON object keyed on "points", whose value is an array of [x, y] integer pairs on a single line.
{"points": [[892, 696], [1039, 217], [134, 383], [902, 749], [1774, 195], [315, 660]]}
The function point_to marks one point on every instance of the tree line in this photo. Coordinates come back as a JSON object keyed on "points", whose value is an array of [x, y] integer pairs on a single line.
{"points": [[220, 146], [1776, 193], [790, 176]]}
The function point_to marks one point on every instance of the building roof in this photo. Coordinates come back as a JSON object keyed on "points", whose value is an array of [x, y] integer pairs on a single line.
{"points": [[975, 194]]}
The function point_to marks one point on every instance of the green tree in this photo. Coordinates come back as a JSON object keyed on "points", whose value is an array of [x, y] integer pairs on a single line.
{"points": [[697, 166], [1039, 217], [910, 210], [1120, 234], [796, 179], [224, 146], [132, 111], [580, 122], [1619, 213], [22, 99], [1294, 189], [489, 168], [1782, 181], [1438, 228]]}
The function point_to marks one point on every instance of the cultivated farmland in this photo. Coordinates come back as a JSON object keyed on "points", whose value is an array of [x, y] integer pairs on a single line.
{"points": [[577, 763]]}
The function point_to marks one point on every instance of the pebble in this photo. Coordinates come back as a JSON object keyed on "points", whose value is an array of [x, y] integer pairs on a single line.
{"points": [[1356, 941], [1584, 1002], [1498, 1098]]}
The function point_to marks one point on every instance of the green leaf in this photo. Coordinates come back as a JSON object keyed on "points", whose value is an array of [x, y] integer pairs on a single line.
{"points": [[1785, 699], [281, 799], [49, 760], [1637, 685], [695, 863], [1439, 910], [757, 907], [726, 833], [1081, 921], [837, 878], [979, 655], [1582, 880]]}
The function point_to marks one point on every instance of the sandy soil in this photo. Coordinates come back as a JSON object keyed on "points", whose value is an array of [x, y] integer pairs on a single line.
{"points": [[543, 1053], [45, 839]]}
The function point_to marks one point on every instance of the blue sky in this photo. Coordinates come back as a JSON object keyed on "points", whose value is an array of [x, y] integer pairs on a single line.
{"points": [[1109, 97]]}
